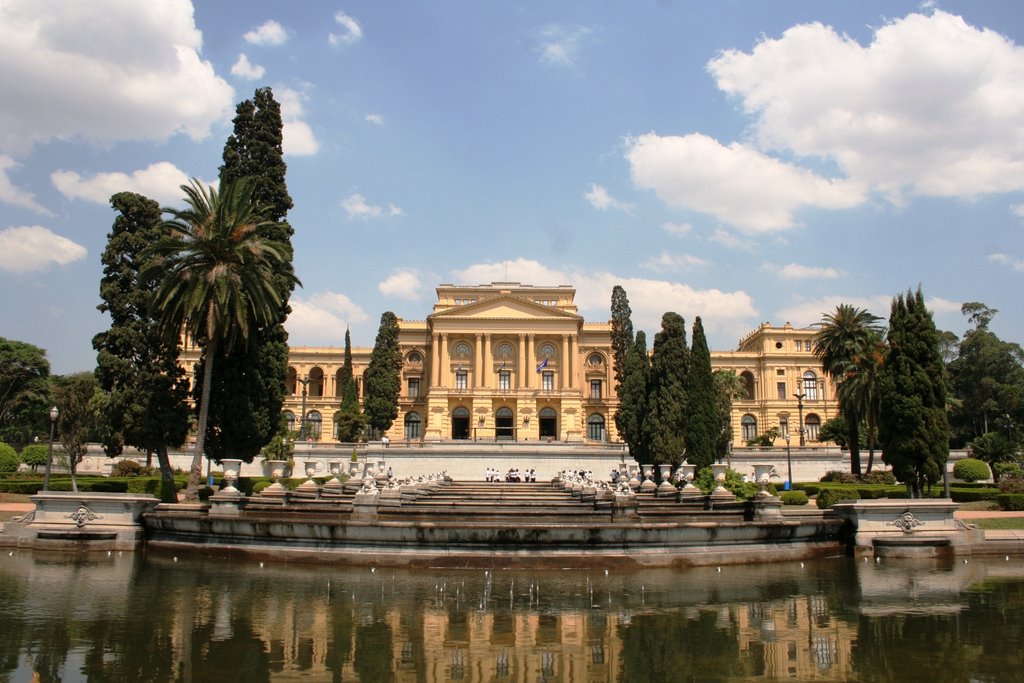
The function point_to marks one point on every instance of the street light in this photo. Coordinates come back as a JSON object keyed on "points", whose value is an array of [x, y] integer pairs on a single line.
{"points": [[800, 411], [305, 383], [49, 456], [789, 464]]}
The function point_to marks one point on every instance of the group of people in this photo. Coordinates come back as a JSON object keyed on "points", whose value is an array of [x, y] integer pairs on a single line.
{"points": [[513, 475]]}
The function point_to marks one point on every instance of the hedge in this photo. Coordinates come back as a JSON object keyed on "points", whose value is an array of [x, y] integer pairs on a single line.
{"points": [[1011, 501], [794, 498], [971, 470], [137, 485], [833, 494], [963, 495]]}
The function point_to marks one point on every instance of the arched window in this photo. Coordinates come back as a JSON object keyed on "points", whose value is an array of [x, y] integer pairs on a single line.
{"points": [[314, 423], [595, 427], [810, 386], [415, 358], [412, 426], [290, 381], [748, 381], [784, 427], [339, 388], [289, 416], [316, 382], [595, 359], [749, 424], [812, 423], [504, 351], [547, 351], [462, 351]]}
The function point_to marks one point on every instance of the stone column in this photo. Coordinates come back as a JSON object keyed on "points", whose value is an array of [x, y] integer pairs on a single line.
{"points": [[478, 362], [521, 374], [435, 360], [531, 355], [565, 376], [574, 356], [443, 379], [485, 378]]}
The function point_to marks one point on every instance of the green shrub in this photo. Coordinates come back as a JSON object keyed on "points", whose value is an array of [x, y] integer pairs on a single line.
{"points": [[25, 488], [1008, 484], [258, 487], [873, 492], [880, 477], [205, 493], [34, 455], [1007, 469], [962, 495], [9, 460], [794, 498], [970, 470], [130, 468], [829, 496], [839, 477], [1011, 501]]}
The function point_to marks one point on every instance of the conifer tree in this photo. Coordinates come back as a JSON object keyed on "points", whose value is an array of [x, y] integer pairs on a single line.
{"points": [[383, 376], [136, 366], [622, 334], [912, 425], [629, 418], [666, 408], [248, 386], [349, 418], [702, 424]]}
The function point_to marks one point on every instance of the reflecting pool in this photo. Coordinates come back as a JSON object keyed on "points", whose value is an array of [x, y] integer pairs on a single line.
{"points": [[146, 617]]}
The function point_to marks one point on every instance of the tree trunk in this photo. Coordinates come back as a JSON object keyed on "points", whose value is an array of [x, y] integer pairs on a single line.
{"points": [[73, 466], [195, 472], [853, 431], [168, 490]]}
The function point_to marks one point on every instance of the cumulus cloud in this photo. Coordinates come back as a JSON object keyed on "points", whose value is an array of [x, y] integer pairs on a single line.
{"points": [[600, 199], [559, 45], [161, 182], [321, 319], [672, 262], [1007, 260], [807, 312], [356, 206], [404, 284], [10, 194], [72, 73], [31, 248], [298, 138], [243, 68], [796, 271], [736, 183], [351, 31], [932, 106], [1017, 210], [269, 32]]}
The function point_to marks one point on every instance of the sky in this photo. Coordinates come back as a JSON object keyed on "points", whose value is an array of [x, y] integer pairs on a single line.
{"points": [[746, 162]]}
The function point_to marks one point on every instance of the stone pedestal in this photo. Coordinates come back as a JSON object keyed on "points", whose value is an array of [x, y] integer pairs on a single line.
{"points": [[275, 470], [767, 507], [906, 528], [64, 520], [625, 507]]}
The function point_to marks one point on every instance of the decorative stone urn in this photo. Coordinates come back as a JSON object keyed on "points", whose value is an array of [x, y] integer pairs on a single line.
{"points": [[275, 470], [334, 482], [353, 468], [685, 474], [231, 470], [634, 479], [666, 488], [648, 483], [309, 484], [762, 475], [720, 493]]}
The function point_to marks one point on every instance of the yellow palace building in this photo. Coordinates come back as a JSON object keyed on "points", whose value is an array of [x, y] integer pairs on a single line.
{"points": [[508, 361]]}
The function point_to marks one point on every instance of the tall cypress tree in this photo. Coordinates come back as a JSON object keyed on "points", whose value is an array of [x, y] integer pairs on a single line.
{"points": [[248, 387], [349, 417], [629, 418], [666, 395], [135, 365], [912, 424], [702, 426], [383, 376], [622, 335]]}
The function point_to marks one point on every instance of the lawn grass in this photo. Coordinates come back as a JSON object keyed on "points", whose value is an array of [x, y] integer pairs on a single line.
{"points": [[1014, 523]]}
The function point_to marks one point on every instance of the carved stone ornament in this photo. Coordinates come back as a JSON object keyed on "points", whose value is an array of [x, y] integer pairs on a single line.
{"points": [[906, 522], [82, 516]]}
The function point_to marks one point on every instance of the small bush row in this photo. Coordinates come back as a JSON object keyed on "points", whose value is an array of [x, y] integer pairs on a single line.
{"points": [[136, 485], [794, 498], [1011, 501]]}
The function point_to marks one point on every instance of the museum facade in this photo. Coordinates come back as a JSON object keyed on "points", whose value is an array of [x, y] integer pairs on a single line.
{"points": [[508, 361]]}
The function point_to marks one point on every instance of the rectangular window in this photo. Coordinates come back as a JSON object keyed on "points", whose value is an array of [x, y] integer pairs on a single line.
{"points": [[414, 387], [504, 380], [595, 388], [780, 387], [461, 380], [810, 388], [784, 427], [547, 381]]}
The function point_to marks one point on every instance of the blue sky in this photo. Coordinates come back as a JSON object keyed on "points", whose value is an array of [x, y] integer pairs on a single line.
{"points": [[741, 161]]}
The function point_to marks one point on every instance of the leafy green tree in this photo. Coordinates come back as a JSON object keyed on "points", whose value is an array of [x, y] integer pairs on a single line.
{"points": [[146, 390], [76, 424], [35, 455], [991, 447], [282, 444], [9, 460], [836, 431], [629, 417], [728, 387], [24, 391], [349, 418], [912, 426], [665, 422], [845, 335], [859, 388], [622, 334], [248, 391], [383, 376], [218, 267], [702, 423]]}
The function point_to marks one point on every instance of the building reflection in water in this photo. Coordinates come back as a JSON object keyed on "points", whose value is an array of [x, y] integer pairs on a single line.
{"points": [[160, 620]]}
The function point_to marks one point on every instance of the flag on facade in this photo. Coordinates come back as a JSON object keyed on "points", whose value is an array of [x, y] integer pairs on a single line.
{"points": [[543, 364]]}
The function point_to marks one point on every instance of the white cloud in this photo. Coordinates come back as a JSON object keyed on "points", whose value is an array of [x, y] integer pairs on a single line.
{"points": [[1017, 210], [9, 194], [1007, 260], [932, 106], [351, 30], [600, 199], [795, 271], [243, 68], [298, 138], [558, 45], [375, 118], [677, 229], [356, 206], [321, 319], [737, 184], [404, 284], [30, 248], [269, 32], [73, 74], [731, 240], [161, 182], [807, 312], [672, 262]]}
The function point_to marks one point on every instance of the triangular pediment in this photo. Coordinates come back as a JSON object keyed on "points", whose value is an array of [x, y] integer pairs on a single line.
{"points": [[504, 308]]}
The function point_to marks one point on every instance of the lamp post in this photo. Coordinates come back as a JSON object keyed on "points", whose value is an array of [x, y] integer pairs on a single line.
{"points": [[302, 427], [800, 411], [789, 464], [49, 456]]}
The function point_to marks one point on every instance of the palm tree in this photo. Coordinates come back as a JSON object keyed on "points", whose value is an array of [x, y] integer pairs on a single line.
{"points": [[843, 336], [859, 387], [216, 270]]}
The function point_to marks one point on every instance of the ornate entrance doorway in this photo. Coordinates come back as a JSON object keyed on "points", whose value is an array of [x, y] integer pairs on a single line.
{"points": [[460, 423], [548, 419], [504, 424]]}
